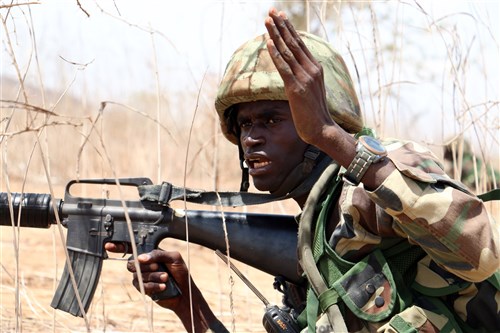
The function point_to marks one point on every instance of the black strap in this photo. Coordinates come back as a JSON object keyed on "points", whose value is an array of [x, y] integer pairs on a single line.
{"points": [[491, 195], [161, 195], [156, 197], [245, 182]]}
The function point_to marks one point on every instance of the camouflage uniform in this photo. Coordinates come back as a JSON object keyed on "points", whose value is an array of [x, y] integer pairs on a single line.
{"points": [[417, 206], [420, 205]]}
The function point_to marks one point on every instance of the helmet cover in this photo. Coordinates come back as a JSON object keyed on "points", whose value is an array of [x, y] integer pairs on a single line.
{"points": [[251, 75]]}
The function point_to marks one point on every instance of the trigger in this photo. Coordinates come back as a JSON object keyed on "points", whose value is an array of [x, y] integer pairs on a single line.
{"points": [[126, 250]]}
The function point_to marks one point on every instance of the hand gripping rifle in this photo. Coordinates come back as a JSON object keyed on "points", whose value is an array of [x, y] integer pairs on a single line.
{"points": [[264, 241]]}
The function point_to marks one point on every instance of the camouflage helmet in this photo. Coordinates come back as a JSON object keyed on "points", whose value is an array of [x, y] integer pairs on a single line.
{"points": [[251, 75]]}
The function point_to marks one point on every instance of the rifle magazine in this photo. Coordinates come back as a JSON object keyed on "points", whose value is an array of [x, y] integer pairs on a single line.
{"points": [[87, 269]]}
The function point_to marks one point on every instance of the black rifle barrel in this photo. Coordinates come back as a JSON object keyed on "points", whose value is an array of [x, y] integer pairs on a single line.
{"points": [[36, 209]]}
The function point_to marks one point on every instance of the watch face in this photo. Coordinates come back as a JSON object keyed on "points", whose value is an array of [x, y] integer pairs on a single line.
{"points": [[373, 145]]}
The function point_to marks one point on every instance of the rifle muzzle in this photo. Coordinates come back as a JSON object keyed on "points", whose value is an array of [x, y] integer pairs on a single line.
{"points": [[27, 210]]}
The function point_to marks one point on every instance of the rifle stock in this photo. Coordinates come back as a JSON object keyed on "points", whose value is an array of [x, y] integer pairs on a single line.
{"points": [[266, 242]]}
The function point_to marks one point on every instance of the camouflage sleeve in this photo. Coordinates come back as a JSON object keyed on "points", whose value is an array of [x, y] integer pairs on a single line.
{"points": [[450, 224]]}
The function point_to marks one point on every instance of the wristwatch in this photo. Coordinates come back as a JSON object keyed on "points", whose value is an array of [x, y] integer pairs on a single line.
{"points": [[368, 150]]}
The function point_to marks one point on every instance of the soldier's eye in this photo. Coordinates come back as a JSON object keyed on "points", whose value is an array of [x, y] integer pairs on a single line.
{"points": [[273, 120], [245, 124]]}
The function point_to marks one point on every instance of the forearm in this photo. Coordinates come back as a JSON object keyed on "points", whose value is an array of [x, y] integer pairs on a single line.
{"points": [[202, 319], [341, 147]]}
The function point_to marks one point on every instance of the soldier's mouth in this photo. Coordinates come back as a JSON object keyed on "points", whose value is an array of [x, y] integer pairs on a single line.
{"points": [[258, 165]]}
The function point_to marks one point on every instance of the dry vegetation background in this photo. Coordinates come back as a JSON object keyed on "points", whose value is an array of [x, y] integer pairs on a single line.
{"points": [[50, 134]]}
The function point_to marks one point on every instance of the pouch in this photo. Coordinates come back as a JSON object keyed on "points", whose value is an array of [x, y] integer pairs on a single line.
{"points": [[369, 289]]}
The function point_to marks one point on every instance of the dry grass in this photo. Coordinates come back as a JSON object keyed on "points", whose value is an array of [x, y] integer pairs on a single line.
{"points": [[49, 136], [117, 306]]}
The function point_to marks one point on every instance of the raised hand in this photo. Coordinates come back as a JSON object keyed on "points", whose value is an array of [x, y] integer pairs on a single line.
{"points": [[302, 75]]}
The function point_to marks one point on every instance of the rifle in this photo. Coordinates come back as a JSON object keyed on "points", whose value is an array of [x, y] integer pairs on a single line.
{"points": [[266, 242]]}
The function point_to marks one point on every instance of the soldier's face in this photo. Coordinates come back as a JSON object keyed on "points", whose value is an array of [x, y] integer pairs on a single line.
{"points": [[270, 142]]}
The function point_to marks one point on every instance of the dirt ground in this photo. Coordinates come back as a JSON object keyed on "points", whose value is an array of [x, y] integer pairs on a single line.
{"points": [[27, 286]]}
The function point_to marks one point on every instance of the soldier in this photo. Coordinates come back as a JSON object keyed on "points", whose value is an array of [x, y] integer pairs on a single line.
{"points": [[397, 245]]}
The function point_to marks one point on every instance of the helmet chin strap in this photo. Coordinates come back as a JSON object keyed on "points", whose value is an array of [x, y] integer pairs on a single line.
{"points": [[245, 183], [300, 180]]}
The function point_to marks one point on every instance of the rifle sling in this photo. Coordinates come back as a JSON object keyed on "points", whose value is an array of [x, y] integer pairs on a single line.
{"points": [[165, 192], [491, 195], [159, 196]]}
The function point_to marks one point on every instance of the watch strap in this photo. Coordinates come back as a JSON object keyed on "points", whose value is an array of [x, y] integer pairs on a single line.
{"points": [[358, 167]]}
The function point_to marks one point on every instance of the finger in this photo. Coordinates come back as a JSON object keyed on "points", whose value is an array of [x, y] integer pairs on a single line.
{"points": [[288, 40], [157, 277], [150, 261], [153, 267], [281, 49], [283, 67], [150, 288], [115, 247], [166, 257], [281, 64], [296, 37], [291, 70]]}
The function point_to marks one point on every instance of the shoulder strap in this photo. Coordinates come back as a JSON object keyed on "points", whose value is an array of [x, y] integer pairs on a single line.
{"points": [[306, 255], [156, 197], [491, 195]]}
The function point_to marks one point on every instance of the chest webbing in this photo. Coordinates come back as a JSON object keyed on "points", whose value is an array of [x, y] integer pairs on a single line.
{"points": [[324, 267], [306, 257]]}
